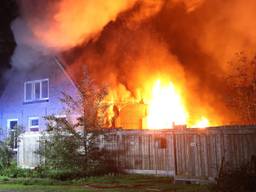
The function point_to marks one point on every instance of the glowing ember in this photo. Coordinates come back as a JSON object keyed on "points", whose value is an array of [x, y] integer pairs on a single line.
{"points": [[165, 107], [202, 123]]}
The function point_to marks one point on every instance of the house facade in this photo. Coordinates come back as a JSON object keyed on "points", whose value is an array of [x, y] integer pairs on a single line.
{"points": [[30, 95]]}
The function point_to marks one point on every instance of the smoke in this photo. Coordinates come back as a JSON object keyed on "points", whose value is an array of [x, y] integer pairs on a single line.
{"points": [[231, 29], [66, 23], [47, 26], [190, 5], [29, 50], [190, 42], [129, 59], [127, 43]]}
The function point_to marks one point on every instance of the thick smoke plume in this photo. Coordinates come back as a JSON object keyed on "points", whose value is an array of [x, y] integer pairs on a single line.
{"points": [[126, 44], [66, 23], [47, 26], [29, 50]]}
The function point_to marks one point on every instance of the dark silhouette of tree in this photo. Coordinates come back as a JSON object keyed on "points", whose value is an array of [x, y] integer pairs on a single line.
{"points": [[242, 88]]}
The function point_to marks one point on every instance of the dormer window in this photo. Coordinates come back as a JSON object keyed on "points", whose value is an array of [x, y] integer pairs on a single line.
{"points": [[36, 90]]}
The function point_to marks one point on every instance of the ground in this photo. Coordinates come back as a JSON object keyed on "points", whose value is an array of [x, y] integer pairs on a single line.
{"points": [[124, 183]]}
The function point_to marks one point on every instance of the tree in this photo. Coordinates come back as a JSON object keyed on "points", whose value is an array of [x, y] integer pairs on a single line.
{"points": [[242, 88], [5, 156], [74, 146], [13, 136], [7, 153]]}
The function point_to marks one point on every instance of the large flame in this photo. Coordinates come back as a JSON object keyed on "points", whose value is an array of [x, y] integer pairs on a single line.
{"points": [[202, 123], [165, 108]]}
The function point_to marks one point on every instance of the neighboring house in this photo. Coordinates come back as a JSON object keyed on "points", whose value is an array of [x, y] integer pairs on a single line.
{"points": [[30, 95]]}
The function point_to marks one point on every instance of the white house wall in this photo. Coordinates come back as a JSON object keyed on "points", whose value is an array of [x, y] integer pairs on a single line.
{"points": [[12, 105]]}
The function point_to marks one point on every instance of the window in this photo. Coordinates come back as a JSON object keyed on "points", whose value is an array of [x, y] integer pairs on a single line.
{"points": [[36, 90], [33, 123], [12, 125]]}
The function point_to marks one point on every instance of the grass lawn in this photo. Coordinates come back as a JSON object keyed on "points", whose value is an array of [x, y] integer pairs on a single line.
{"points": [[124, 183]]}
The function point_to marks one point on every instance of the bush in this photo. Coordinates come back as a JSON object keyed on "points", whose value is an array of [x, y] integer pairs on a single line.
{"points": [[5, 156], [72, 148], [13, 171], [64, 175], [241, 179]]}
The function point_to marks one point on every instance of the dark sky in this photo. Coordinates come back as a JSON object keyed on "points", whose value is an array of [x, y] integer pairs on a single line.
{"points": [[8, 11]]}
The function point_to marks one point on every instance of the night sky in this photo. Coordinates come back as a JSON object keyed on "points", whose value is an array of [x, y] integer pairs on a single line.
{"points": [[8, 11]]}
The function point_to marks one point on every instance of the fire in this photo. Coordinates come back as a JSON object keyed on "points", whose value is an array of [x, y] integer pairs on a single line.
{"points": [[160, 106], [165, 107], [202, 123]]}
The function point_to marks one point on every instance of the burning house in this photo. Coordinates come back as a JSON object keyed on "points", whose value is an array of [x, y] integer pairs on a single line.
{"points": [[160, 71], [165, 63]]}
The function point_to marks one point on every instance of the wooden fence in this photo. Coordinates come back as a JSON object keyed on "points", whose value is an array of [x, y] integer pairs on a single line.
{"points": [[183, 153]]}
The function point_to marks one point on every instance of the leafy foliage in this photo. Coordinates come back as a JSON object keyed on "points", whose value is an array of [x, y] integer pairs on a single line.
{"points": [[71, 146], [12, 139], [5, 156], [6, 151]]}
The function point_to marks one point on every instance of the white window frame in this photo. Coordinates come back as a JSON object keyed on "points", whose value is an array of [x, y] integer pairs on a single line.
{"points": [[8, 123], [30, 126], [9, 129], [33, 97]]}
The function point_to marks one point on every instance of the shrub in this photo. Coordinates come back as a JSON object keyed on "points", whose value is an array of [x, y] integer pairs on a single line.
{"points": [[8, 167], [5, 156], [241, 179], [71, 149]]}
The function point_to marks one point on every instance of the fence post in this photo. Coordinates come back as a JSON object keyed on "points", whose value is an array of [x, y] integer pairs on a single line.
{"points": [[175, 154]]}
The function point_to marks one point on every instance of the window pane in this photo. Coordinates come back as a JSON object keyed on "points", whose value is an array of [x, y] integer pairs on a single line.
{"points": [[28, 91], [34, 122], [37, 90], [45, 85], [13, 124]]}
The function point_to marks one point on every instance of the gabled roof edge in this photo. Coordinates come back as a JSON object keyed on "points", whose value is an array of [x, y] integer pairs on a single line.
{"points": [[62, 66]]}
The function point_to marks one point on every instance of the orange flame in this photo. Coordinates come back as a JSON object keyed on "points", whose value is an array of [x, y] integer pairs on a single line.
{"points": [[165, 108], [164, 104], [202, 123]]}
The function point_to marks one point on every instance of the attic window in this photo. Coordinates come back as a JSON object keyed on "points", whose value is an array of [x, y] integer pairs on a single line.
{"points": [[36, 90]]}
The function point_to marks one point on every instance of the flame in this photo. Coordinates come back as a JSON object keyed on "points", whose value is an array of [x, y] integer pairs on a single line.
{"points": [[165, 107], [202, 123]]}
